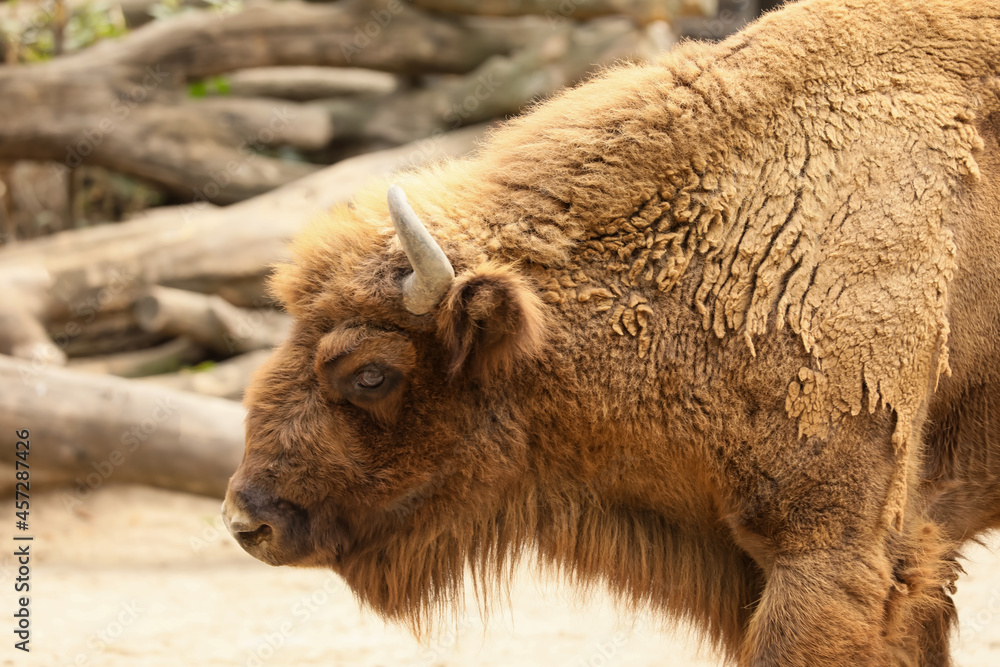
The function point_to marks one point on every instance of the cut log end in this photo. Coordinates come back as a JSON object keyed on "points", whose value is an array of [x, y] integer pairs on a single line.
{"points": [[148, 313]]}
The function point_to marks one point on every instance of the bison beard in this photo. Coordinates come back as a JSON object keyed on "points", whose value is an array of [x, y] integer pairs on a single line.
{"points": [[721, 333]]}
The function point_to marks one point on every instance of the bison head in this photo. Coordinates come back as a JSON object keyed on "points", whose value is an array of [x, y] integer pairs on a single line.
{"points": [[384, 437]]}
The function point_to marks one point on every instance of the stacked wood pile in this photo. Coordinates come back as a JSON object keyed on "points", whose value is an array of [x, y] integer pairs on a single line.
{"points": [[249, 119]]}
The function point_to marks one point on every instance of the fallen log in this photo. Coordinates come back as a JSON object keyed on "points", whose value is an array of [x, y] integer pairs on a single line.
{"points": [[226, 379], [248, 292], [166, 358], [387, 35], [23, 336], [123, 104], [309, 83], [210, 320], [102, 334], [106, 268], [643, 10], [31, 281], [500, 87], [8, 232], [140, 12], [198, 149], [22, 333], [264, 123], [102, 429], [41, 480]]}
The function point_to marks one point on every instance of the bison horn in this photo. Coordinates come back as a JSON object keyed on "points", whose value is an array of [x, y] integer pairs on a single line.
{"points": [[432, 272]]}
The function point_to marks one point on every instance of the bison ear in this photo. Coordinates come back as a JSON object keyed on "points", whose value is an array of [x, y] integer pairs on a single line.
{"points": [[490, 320]]}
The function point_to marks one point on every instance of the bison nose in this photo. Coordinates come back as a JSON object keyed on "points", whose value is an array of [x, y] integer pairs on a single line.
{"points": [[268, 528], [248, 532]]}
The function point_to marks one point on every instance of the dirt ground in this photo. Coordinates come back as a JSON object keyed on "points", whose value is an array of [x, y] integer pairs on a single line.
{"points": [[136, 576]]}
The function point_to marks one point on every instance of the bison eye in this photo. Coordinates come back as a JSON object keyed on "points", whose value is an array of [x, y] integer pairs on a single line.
{"points": [[369, 377], [372, 373], [368, 385]]}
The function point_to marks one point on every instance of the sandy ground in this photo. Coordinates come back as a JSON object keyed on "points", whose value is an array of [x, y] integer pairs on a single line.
{"points": [[135, 576]]}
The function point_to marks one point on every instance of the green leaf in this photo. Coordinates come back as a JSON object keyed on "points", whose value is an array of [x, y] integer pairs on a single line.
{"points": [[203, 366], [222, 85], [197, 89]]}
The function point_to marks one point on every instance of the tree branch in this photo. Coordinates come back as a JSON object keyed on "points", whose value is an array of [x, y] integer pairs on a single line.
{"points": [[103, 428], [106, 268], [210, 320], [387, 35]]}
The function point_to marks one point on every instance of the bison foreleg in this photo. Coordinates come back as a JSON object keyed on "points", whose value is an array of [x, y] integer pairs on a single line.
{"points": [[836, 586], [820, 609]]}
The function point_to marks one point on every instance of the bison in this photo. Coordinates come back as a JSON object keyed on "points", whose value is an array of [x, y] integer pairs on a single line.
{"points": [[720, 332]]}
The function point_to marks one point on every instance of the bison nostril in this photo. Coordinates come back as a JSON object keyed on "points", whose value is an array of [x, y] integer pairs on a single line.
{"points": [[254, 537], [270, 529]]}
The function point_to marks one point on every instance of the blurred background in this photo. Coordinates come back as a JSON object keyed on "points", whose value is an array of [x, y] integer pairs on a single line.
{"points": [[155, 155]]}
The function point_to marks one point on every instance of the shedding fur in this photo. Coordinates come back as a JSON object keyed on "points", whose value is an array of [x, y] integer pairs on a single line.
{"points": [[724, 338]]}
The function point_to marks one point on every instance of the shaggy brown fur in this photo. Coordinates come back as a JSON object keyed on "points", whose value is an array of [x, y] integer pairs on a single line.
{"points": [[724, 337]]}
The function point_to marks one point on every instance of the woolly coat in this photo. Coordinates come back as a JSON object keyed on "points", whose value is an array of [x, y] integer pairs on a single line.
{"points": [[724, 337]]}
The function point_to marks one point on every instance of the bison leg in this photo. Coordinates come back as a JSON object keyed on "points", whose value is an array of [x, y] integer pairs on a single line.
{"points": [[819, 609], [841, 586], [920, 613]]}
